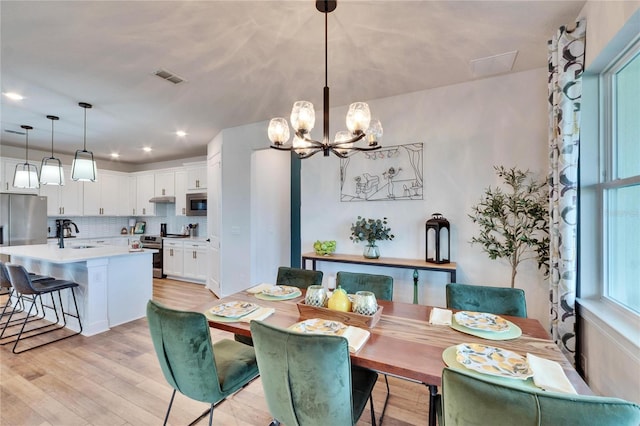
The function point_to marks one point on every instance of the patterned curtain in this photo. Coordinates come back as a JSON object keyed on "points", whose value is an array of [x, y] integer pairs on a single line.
{"points": [[566, 64]]}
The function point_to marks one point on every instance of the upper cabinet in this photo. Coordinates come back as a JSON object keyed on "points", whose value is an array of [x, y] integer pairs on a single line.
{"points": [[145, 190], [103, 197], [197, 178], [181, 190], [65, 200], [165, 184]]}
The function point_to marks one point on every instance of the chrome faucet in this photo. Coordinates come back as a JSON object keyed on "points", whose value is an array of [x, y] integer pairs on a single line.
{"points": [[61, 240]]}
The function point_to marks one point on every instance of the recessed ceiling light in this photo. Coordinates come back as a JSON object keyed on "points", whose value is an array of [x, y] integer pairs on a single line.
{"points": [[181, 133], [115, 155], [147, 149], [14, 96]]}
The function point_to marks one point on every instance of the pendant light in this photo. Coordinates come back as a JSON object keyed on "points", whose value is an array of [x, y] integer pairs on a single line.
{"points": [[84, 166], [51, 171], [26, 174]]}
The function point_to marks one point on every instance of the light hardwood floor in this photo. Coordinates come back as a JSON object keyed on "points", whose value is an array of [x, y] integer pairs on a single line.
{"points": [[114, 379]]}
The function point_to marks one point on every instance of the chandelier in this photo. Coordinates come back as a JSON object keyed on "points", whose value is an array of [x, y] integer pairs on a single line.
{"points": [[303, 118]]}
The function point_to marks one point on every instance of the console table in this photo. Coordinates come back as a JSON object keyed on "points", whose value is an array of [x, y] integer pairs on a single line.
{"points": [[390, 262]]}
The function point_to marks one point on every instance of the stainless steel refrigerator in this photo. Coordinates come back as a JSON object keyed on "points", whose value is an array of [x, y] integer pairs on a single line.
{"points": [[23, 219]]}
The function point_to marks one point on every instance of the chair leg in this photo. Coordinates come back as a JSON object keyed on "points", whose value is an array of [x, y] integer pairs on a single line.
{"points": [[211, 415], [48, 327], [373, 413], [166, 417], [386, 399]]}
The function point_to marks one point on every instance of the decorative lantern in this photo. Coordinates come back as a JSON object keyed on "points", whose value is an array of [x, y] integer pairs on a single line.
{"points": [[438, 245]]}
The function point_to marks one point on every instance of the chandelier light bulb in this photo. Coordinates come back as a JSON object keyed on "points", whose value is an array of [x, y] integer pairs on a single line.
{"points": [[278, 131], [374, 134], [358, 117], [303, 116]]}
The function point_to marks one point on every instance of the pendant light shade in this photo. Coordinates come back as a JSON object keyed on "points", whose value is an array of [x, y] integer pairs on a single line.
{"points": [[26, 174], [51, 172], [84, 166]]}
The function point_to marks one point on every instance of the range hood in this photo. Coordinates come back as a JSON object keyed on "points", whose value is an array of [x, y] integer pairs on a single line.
{"points": [[167, 199]]}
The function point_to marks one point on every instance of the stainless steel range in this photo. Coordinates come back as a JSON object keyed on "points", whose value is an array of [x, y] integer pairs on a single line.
{"points": [[154, 242]]}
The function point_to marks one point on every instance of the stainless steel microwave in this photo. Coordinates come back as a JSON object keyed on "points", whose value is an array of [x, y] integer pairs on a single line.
{"points": [[197, 204]]}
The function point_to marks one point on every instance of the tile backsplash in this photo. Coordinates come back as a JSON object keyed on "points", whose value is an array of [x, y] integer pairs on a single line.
{"points": [[110, 226]]}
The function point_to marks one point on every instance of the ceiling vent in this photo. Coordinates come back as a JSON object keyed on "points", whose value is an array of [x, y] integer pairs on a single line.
{"points": [[169, 76], [493, 65], [15, 132]]}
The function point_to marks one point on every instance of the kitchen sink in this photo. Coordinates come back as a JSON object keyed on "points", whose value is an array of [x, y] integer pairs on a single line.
{"points": [[83, 247]]}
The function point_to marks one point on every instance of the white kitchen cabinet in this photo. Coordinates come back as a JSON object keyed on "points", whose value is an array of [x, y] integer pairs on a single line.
{"points": [[122, 196], [197, 178], [144, 192], [8, 170], [173, 258], [101, 197], [133, 191], [65, 200], [181, 190], [195, 261], [164, 185]]}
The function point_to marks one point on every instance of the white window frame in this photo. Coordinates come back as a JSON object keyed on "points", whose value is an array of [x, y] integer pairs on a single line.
{"points": [[609, 176]]}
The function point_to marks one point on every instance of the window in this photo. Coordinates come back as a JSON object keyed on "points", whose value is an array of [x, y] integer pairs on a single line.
{"points": [[620, 185]]}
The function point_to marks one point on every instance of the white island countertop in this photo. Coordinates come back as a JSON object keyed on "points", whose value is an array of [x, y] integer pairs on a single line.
{"points": [[70, 254]]}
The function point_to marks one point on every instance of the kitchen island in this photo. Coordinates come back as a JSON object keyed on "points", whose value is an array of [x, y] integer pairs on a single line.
{"points": [[115, 283]]}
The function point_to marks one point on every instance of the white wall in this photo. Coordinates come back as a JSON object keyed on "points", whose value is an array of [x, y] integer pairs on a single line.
{"points": [[466, 130], [270, 218]]}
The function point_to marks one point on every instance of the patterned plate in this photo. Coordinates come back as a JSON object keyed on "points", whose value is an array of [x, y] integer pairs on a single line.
{"points": [[280, 291], [493, 361], [319, 326], [234, 309], [482, 321]]}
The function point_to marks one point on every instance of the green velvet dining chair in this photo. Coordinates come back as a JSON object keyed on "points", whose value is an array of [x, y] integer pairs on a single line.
{"points": [[308, 379], [380, 285], [295, 277], [194, 366], [469, 400], [494, 300]]}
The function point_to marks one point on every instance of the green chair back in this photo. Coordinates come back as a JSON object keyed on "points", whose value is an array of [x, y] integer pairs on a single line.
{"points": [[307, 378], [301, 278], [495, 300], [470, 400], [380, 285], [189, 361]]}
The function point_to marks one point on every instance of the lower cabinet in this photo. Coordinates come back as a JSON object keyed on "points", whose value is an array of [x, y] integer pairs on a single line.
{"points": [[173, 258], [195, 261], [185, 260]]}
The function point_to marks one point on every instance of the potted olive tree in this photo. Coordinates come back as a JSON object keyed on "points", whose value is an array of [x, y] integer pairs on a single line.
{"points": [[514, 222]]}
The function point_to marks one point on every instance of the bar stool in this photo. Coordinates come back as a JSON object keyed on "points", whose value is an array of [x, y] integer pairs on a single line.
{"points": [[7, 290], [31, 291]]}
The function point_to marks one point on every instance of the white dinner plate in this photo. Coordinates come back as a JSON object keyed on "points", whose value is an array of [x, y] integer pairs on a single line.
{"points": [[493, 361]]}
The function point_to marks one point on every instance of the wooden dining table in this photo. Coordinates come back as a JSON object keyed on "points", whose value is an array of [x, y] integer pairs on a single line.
{"points": [[404, 344]]}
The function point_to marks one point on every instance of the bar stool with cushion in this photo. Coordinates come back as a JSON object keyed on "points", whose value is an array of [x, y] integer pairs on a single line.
{"points": [[7, 290], [468, 399], [194, 366], [308, 379], [494, 300], [381, 286], [31, 291]]}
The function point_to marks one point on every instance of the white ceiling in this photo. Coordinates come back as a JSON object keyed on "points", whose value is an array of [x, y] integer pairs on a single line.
{"points": [[244, 62]]}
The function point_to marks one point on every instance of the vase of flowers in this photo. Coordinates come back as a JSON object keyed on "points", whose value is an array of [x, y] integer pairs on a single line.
{"points": [[370, 230]]}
